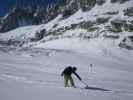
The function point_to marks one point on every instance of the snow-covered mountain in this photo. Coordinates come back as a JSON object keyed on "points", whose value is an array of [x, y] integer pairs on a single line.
{"points": [[96, 36], [104, 23]]}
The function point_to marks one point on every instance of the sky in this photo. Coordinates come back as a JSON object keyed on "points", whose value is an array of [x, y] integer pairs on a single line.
{"points": [[6, 5]]}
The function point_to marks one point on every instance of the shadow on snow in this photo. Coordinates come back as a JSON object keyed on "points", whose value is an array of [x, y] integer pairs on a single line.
{"points": [[96, 88]]}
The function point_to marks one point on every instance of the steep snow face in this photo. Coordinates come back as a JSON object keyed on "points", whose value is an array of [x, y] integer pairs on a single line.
{"points": [[20, 33], [98, 25], [106, 22], [98, 11], [28, 32], [51, 24]]}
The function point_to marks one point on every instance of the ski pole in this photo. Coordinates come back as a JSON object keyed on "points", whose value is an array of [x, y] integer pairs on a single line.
{"points": [[85, 84]]}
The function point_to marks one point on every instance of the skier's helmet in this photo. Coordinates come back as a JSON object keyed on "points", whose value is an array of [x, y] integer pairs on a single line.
{"points": [[74, 68]]}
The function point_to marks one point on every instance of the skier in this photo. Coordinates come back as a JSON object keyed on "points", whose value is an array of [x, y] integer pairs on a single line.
{"points": [[68, 71]]}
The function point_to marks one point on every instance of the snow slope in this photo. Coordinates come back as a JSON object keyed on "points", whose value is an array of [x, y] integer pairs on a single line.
{"points": [[34, 74]]}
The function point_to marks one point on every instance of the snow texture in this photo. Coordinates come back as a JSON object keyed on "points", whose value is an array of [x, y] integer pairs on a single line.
{"points": [[35, 74]]}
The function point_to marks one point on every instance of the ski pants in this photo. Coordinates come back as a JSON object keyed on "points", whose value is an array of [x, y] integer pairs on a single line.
{"points": [[68, 78]]}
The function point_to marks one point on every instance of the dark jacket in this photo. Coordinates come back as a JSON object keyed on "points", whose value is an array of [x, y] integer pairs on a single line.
{"points": [[69, 71]]}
